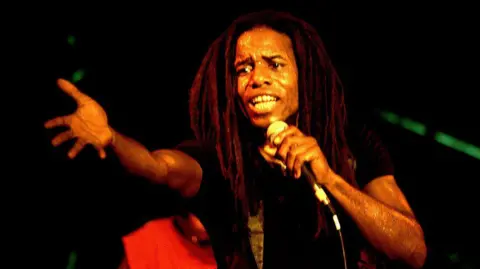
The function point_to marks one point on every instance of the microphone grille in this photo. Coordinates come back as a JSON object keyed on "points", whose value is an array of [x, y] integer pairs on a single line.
{"points": [[275, 128]]}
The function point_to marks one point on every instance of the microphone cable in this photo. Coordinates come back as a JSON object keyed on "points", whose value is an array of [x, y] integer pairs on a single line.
{"points": [[322, 197], [275, 128]]}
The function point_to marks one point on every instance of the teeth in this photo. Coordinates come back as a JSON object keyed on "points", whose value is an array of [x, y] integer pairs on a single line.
{"points": [[265, 106], [263, 98]]}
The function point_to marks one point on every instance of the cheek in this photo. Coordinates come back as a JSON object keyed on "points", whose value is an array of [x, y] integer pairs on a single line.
{"points": [[290, 85], [241, 86], [295, 99]]}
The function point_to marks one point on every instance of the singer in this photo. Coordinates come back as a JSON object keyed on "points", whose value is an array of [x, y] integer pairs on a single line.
{"points": [[248, 189]]}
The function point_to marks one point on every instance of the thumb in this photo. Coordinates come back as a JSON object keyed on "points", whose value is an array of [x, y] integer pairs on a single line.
{"points": [[270, 149], [70, 89]]}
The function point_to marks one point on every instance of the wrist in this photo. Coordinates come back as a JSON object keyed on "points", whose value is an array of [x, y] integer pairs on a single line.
{"points": [[331, 179], [112, 140]]}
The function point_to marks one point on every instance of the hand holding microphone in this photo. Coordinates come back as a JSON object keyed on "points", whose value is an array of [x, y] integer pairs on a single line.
{"points": [[302, 154], [298, 152]]}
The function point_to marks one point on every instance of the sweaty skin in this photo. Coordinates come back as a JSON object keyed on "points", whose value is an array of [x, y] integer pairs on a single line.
{"points": [[268, 88], [266, 67]]}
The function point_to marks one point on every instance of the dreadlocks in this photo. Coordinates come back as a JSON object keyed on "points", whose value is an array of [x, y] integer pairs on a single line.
{"points": [[216, 117]]}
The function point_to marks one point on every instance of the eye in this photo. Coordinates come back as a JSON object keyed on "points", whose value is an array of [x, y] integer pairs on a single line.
{"points": [[244, 69], [276, 65]]}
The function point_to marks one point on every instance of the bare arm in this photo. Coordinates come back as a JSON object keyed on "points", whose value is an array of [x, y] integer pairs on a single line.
{"points": [[380, 210], [165, 166], [89, 125], [384, 217]]}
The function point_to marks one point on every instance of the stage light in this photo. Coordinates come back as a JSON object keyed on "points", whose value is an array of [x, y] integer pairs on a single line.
{"points": [[78, 75], [440, 137]]}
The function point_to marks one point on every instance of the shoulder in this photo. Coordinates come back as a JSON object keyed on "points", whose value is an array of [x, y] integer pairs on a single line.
{"points": [[202, 152], [213, 183], [371, 156], [193, 147]]}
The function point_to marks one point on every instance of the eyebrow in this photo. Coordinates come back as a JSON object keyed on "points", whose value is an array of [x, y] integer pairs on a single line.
{"points": [[242, 62], [273, 57], [268, 58]]}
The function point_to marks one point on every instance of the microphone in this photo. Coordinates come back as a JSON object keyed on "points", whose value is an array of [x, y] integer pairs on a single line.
{"points": [[272, 131]]}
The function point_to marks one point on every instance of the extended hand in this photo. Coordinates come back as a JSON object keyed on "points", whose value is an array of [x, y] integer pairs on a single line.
{"points": [[88, 123], [295, 149]]}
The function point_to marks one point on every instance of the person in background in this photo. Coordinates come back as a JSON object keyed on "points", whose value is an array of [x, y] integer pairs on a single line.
{"points": [[176, 242]]}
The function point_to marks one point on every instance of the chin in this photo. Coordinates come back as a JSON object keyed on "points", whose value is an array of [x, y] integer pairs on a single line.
{"points": [[263, 121]]}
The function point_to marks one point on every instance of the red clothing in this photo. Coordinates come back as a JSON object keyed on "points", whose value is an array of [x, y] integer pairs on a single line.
{"points": [[159, 245]]}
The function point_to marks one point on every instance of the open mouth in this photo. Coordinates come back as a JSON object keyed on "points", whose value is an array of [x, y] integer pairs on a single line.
{"points": [[263, 103]]}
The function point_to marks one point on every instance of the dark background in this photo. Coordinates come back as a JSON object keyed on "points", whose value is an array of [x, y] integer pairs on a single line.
{"points": [[417, 61]]}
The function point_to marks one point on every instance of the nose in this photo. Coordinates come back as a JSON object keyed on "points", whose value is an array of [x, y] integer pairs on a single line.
{"points": [[260, 77]]}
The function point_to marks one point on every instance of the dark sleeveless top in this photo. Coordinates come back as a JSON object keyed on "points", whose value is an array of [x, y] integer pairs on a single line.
{"points": [[290, 212]]}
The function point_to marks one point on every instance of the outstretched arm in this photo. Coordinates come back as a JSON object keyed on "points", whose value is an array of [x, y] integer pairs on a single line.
{"points": [[89, 125], [165, 166]]}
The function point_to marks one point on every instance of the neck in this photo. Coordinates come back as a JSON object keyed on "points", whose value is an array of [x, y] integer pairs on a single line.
{"points": [[256, 136], [293, 120]]}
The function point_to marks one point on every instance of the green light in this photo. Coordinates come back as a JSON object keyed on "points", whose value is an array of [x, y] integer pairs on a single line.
{"points": [[72, 259], [454, 257], [406, 123], [78, 75], [390, 117], [442, 138], [457, 144], [71, 40], [413, 126]]}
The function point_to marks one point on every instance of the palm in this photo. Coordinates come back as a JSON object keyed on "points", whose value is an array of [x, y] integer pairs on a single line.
{"points": [[88, 123]]}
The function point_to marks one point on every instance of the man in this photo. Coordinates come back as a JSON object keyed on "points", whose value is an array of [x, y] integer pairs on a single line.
{"points": [[267, 67]]}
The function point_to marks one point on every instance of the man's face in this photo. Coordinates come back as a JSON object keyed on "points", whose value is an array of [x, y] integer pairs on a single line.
{"points": [[267, 77]]}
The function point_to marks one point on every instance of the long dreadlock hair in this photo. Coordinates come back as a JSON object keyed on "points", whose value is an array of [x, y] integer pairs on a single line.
{"points": [[216, 117]]}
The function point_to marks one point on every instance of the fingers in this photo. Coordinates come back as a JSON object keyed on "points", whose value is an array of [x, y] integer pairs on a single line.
{"points": [[79, 145], [101, 152], [293, 155], [62, 137], [306, 156], [290, 131], [285, 139], [285, 147], [59, 121], [72, 90], [294, 148]]}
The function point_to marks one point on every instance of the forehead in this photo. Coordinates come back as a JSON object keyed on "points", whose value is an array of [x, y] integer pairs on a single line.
{"points": [[263, 41]]}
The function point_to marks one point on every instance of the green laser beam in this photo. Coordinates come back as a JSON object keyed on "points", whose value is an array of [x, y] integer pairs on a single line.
{"points": [[406, 123], [440, 137], [457, 144]]}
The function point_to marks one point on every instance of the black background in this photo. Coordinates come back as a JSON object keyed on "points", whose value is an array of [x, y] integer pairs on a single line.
{"points": [[418, 61]]}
